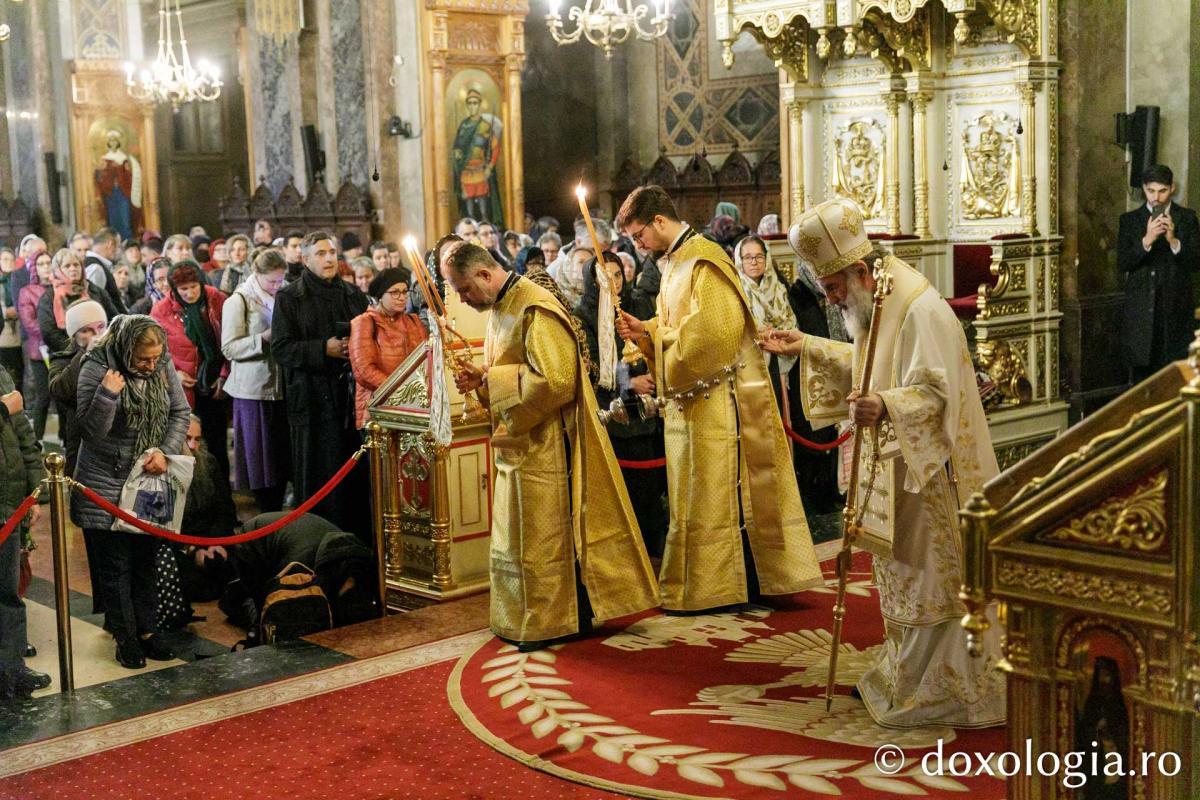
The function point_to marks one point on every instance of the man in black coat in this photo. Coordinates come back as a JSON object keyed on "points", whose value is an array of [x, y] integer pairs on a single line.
{"points": [[1158, 250], [310, 332], [98, 266]]}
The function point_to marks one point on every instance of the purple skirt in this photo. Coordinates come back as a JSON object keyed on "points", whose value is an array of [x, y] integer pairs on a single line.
{"points": [[261, 444]]}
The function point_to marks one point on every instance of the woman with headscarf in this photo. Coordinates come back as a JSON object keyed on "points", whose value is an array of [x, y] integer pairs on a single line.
{"points": [[68, 284], [527, 255], [261, 441], [157, 286], [191, 316], [382, 337], [231, 277], [772, 305], [130, 408], [769, 225], [639, 439]]}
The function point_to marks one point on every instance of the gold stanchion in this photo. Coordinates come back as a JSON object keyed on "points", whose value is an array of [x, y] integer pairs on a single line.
{"points": [[376, 444], [55, 464]]}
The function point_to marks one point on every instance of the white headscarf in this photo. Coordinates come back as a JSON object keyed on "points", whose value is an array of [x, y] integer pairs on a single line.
{"points": [[253, 291]]}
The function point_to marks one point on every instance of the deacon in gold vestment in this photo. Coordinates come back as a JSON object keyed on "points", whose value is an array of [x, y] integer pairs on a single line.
{"points": [[563, 531], [925, 446], [729, 469]]}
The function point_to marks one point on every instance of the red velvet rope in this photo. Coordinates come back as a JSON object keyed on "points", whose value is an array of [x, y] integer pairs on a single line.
{"points": [[205, 541], [654, 463], [819, 446], [18, 515]]}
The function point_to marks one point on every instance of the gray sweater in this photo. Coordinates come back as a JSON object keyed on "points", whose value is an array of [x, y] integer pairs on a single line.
{"points": [[107, 448]]}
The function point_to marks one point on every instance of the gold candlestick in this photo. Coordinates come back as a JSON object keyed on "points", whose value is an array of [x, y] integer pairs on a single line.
{"points": [[472, 404], [631, 353]]}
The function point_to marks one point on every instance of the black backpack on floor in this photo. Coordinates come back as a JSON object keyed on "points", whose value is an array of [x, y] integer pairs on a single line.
{"points": [[295, 606]]}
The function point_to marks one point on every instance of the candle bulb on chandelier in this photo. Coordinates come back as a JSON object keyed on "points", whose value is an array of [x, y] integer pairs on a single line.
{"points": [[554, 8]]}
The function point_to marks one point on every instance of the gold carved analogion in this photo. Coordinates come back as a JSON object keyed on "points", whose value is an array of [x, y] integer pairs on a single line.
{"points": [[990, 180], [858, 167], [1136, 522]]}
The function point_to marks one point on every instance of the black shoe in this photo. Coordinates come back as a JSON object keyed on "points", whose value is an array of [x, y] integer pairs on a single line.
{"points": [[855, 693], [129, 655], [26, 680], [155, 649], [30, 651]]}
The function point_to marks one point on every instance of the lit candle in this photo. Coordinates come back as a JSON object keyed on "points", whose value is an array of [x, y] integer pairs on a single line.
{"points": [[581, 193]]}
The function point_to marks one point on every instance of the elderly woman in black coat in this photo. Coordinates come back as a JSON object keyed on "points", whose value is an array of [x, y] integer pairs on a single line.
{"points": [[130, 407]]}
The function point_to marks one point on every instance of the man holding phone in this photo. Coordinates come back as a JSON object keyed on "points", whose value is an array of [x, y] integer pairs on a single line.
{"points": [[1158, 253], [310, 340]]}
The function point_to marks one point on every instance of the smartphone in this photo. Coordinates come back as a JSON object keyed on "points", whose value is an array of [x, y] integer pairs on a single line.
{"points": [[341, 329], [1157, 211]]}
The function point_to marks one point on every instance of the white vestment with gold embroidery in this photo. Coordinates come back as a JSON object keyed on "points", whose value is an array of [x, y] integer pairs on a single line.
{"points": [[931, 452]]}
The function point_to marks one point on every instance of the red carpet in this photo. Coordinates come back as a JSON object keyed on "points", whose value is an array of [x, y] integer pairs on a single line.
{"points": [[394, 737], [709, 707]]}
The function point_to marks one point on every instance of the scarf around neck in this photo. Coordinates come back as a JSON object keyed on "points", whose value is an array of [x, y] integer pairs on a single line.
{"points": [[145, 397], [65, 293], [768, 301], [252, 291], [200, 333]]}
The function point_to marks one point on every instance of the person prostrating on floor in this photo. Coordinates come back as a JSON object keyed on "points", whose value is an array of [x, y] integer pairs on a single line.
{"points": [[565, 541]]}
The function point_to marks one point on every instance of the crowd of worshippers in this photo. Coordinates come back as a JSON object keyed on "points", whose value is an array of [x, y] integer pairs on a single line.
{"points": [[159, 346]]}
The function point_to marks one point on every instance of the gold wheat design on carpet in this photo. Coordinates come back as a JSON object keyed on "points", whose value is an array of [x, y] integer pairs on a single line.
{"points": [[531, 679]]}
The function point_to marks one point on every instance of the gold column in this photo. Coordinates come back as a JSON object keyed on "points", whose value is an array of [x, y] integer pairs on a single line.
{"points": [[796, 158], [439, 537], [513, 65], [1029, 157], [57, 482], [437, 222], [377, 443], [891, 101], [920, 102]]}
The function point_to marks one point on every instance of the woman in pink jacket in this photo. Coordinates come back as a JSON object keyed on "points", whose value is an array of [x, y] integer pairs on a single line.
{"points": [[191, 315], [37, 381], [383, 337]]}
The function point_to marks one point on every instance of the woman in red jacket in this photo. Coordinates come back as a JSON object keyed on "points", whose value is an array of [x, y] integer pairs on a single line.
{"points": [[191, 315], [382, 338]]}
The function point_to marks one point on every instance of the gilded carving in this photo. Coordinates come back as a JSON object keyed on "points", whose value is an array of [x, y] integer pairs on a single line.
{"points": [[1005, 309], [991, 168], [1018, 20], [787, 47], [858, 165], [1007, 456], [907, 37], [1134, 522], [419, 554], [1006, 369], [411, 393], [470, 36], [1131, 594]]}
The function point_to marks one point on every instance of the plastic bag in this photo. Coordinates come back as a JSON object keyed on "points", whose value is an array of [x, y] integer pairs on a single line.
{"points": [[156, 499]]}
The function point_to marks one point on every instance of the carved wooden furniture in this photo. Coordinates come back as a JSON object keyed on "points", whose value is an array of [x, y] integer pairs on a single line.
{"points": [[1092, 545], [348, 211], [435, 502], [697, 187]]}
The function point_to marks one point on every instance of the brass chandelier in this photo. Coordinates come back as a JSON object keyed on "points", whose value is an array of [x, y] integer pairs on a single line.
{"points": [[608, 23], [172, 78]]}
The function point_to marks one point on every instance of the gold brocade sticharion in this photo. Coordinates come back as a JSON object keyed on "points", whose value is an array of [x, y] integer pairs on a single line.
{"points": [[558, 498], [727, 455]]}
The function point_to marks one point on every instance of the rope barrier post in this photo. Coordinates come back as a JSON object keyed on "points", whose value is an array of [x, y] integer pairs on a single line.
{"points": [[376, 443], [57, 480]]}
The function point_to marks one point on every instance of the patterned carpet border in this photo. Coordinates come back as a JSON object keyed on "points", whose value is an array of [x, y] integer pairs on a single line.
{"points": [[825, 551], [118, 734]]}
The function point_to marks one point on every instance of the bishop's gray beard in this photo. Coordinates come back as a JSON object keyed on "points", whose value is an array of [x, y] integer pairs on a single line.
{"points": [[857, 308]]}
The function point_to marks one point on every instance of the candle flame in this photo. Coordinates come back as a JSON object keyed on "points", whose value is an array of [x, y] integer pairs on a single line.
{"points": [[580, 192], [410, 242]]}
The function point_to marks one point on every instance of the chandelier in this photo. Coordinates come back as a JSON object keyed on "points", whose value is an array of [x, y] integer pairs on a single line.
{"points": [[608, 23], [6, 31], [172, 78]]}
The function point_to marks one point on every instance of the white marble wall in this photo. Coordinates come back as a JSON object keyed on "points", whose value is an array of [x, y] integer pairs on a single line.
{"points": [[274, 83], [349, 93]]}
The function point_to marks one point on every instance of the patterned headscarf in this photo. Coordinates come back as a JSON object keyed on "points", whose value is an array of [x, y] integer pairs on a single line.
{"points": [[768, 297], [145, 398]]}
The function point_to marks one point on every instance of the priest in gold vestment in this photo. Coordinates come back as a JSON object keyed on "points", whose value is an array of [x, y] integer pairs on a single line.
{"points": [[565, 542], [737, 525], [926, 447]]}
